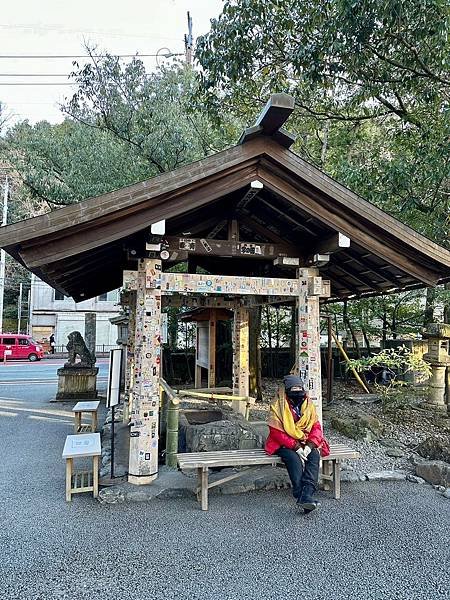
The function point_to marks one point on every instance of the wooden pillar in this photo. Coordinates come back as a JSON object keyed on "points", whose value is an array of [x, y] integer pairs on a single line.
{"points": [[129, 367], [212, 349], [240, 358], [308, 348], [143, 464], [198, 369]]}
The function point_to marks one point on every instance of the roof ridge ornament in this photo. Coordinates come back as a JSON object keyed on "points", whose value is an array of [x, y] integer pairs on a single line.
{"points": [[270, 120]]}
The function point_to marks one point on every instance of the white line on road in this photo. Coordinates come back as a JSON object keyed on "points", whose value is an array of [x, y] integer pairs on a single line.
{"points": [[50, 419]]}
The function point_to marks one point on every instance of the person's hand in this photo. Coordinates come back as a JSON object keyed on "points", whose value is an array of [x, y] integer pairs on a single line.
{"points": [[304, 453]]}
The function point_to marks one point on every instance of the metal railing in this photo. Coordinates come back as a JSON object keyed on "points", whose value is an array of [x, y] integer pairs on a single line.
{"points": [[99, 349]]}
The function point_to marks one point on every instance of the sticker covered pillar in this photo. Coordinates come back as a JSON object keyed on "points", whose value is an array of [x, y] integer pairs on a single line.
{"points": [[308, 361], [129, 365], [143, 465], [240, 359]]}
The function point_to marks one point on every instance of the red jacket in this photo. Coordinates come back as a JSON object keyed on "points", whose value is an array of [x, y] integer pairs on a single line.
{"points": [[279, 439]]}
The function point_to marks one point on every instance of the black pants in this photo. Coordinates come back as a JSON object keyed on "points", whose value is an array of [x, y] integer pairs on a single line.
{"points": [[304, 478]]}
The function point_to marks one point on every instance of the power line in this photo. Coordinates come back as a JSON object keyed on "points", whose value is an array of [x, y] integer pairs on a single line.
{"points": [[2, 83], [33, 75], [64, 30], [88, 56]]}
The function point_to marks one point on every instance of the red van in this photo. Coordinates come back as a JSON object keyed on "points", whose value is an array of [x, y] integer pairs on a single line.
{"points": [[18, 345]]}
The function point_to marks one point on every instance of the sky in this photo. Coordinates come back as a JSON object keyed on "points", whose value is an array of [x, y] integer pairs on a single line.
{"points": [[61, 27]]}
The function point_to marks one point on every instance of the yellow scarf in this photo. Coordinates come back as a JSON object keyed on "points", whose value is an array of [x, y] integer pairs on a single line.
{"points": [[281, 418]]}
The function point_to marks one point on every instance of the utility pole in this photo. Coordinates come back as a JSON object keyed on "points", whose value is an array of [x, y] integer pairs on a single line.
{"points": [[2, 252], [19, 308], [189, 41], [29, 311]]}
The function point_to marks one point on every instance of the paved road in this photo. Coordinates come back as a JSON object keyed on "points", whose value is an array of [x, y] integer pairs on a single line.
{"points": [[24, 373], [388, 541]]}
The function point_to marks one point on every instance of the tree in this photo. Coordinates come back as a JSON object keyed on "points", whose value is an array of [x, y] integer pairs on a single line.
{"points": [[371, 86], [122, 125]]}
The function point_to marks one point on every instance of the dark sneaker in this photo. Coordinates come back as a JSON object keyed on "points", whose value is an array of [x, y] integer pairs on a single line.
{"points": [[309, 506]]}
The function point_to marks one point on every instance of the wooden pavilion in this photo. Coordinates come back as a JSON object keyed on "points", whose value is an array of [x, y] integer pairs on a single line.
{"points": [[263, 224]]}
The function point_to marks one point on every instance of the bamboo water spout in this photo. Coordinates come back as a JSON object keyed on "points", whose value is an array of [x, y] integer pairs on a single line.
{"points": [[172, 424]]}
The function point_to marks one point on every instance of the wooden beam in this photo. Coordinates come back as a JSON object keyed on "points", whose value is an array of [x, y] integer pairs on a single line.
{"points": [[331, 244], [233, 230], [271, 119], [345, 202], [346, 258], [356, 276], [275, 113], [212, 349], [261, 230], [227, 248], [121, 226], [288, 218], [332, 219]]}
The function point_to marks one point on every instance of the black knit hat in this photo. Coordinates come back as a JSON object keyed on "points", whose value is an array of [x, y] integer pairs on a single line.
{"points": [[291, 381]]}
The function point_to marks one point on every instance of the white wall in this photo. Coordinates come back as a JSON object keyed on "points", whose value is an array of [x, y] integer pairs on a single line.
{"points": [[66, 315]]}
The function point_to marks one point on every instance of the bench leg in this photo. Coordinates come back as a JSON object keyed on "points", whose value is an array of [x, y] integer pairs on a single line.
{"points": [[326, 469], [204, 488], [69, 462], [95, 476], [94, 422], [77, 422], [337, 479]]}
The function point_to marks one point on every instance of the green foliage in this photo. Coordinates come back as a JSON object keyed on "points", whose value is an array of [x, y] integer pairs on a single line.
{"points": [[371, 85], [384, 317], [395, 362], [64, 163], [122, 125], [151, 113]]}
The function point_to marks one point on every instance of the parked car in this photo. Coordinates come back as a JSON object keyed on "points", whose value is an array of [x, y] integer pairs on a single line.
{"points": [[15, 346]]}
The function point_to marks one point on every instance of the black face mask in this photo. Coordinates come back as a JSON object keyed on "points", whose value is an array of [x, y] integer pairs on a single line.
{"points": [[296, 397]]}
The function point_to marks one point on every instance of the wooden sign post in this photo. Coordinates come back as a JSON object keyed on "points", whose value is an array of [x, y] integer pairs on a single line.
{"points": [[240, 358]]}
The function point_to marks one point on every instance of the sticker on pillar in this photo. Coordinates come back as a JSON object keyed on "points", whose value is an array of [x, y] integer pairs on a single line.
{"points": [[147, 456], [205, 245], [134, 433]]}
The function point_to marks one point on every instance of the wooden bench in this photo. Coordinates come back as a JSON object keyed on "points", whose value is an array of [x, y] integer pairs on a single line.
{"points": [[84, 445], [86, 407], [251, 459]]}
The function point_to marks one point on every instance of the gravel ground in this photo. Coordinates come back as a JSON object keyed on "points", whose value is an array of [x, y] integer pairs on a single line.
{"points": [[381, 541]]}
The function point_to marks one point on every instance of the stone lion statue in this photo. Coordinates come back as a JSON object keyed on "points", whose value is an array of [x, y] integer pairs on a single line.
{"points": [[77, 346]]}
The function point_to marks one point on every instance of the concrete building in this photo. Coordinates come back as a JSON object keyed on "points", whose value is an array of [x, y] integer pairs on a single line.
{"points": [[52, 312]]}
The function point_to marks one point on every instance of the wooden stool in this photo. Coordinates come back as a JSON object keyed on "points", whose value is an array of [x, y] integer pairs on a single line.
{"points": [[84, 445], [86, 407]]}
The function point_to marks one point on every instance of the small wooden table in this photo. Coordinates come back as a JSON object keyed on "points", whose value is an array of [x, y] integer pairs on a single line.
{"points": [[86, 407], [83, 445]]}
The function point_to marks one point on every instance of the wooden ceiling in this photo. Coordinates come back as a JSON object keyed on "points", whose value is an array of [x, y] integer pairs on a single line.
{"points": [[82, 249]]}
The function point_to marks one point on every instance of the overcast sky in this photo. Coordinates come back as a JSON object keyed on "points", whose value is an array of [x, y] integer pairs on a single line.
{"points": [[49, 27]]}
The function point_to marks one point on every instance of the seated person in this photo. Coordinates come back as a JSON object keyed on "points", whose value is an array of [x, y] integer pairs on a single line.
{"points": [[296, 435]]}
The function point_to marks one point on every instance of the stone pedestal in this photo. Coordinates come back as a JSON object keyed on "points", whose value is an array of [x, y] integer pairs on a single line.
{"points": [[436, 397], [77, 383], [438, 335]]}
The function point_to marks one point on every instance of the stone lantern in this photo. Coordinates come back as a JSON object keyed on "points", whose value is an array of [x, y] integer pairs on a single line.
{"points": [[438, 335]]}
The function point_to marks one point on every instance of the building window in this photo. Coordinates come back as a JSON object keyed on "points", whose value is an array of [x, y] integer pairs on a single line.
{"points": [[59, 296], [103, 297]]}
